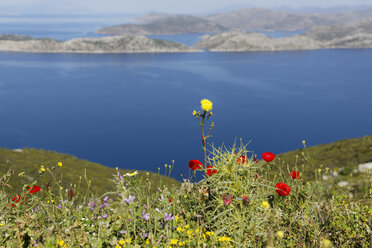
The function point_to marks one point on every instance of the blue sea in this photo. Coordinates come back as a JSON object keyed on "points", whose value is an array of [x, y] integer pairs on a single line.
{"points": [[134, 111]]}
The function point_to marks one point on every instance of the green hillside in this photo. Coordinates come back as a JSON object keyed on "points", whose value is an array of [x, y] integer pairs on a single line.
{"points": [[73, 170], [343, 155]]}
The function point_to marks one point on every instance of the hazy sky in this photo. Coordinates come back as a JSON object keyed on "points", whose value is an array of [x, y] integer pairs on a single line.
{"points": [[169, 6]]}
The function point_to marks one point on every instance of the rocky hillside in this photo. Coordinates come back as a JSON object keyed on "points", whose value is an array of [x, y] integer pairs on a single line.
{"points": [[358, 35], [271, 20], [114, 44], [258, 19], [176, 24]]}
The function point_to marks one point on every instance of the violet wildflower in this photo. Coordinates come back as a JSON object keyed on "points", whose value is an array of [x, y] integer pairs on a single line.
{"points": [[122, 232], [168, 217], [105, 216], [145, 216], [106, 198], [91, 205], [129, 199]]}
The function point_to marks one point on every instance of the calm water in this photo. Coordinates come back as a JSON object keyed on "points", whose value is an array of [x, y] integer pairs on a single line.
{"points": [[135, 110]]}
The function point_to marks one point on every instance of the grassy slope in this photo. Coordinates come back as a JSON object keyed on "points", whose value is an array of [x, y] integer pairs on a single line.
{"points": [[29, 161], [340, 154], [345, 153]]}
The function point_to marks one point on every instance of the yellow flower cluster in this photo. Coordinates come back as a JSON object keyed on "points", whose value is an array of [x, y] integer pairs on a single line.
{"points": [[206, 105], [61, 243], [224, 239], [42, 168], [123, 242]]}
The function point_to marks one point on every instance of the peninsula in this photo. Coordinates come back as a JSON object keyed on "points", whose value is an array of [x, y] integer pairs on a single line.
{"points": [[113, 44]]}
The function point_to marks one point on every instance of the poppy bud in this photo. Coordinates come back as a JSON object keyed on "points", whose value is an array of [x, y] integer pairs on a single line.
{"points": [[246, 200]]}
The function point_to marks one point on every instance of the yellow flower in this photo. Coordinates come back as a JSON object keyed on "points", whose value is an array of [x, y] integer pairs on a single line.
{"points": [[128, 240], [265, 204], [319, 170], [185, 196], [181, 243], [60, 164], [224, 238], [280, 234], [117, 246], [210, 233], [61, 243], [174, 241], [326, 243], [122, 242], [179, 229], [304, 142], [1, 224], [187, 227], [194, 113], [147, 241], [21, 174], [206, 105]]}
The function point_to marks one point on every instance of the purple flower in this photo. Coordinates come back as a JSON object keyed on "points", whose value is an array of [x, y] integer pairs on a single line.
{"points": [[59, 206], [161, 197], [145, 216], [129, 199], [106, 198], [168, 217], [122, 232], [145, 235], [91, 205], [105, 216]]}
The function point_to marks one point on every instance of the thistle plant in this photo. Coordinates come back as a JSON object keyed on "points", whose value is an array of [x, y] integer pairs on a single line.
{"points": [[202, 117]]}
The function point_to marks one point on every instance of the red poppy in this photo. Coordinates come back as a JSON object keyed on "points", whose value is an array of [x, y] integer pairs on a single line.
{"points": [[47, 187], [34, 189], [256, 176], [227, 199], [195, 164], [170, 201], [71, 194], [282, 189], [241, 159], [211, 171], [295, 175], [268, 156], [17, 199]]}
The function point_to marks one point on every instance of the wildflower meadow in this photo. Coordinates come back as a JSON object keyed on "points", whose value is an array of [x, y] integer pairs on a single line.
{"points": [[243, 200]]}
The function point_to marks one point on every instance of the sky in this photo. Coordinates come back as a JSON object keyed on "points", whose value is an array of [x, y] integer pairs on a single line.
{"points": [[164, 6]]}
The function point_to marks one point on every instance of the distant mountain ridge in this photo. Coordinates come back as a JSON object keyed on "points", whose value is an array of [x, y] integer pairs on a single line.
{"points": [[258, 19]]}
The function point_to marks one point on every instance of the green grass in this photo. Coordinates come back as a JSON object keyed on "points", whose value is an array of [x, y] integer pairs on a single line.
{"points": [[315, 213], [73, 171]]}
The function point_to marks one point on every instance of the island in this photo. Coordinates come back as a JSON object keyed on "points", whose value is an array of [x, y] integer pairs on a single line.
{"points": [[162, 25], [112, 44], [354, 35]]}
